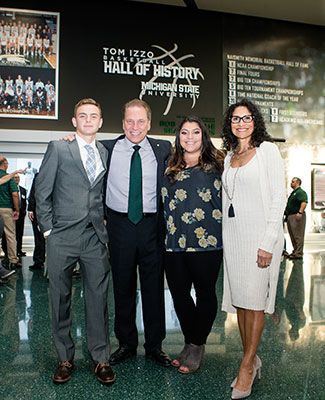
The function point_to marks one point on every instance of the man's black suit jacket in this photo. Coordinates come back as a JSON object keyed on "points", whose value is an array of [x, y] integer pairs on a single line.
{"points": [[162, 151]]}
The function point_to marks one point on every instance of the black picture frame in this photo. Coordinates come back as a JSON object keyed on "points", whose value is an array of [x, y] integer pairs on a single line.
{"points": [[318, 187], [317, 299], [29, 63]]}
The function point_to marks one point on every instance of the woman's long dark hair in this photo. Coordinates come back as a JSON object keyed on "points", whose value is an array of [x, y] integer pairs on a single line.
{"points": [[211, 159], [259, 135]]}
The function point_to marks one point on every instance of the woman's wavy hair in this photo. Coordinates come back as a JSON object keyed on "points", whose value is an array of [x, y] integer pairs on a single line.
{"points": [[259, 135], [210, 160]]}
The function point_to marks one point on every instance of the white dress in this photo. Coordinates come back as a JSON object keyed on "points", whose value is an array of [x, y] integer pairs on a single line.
{"points": [[258, 198]]}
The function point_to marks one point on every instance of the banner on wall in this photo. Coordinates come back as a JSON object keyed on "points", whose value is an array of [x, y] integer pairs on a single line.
{"points": [[29, 63], [280, 70]]}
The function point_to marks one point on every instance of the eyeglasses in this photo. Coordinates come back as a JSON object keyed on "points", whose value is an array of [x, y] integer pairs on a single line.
{"points": [[235, 119]]}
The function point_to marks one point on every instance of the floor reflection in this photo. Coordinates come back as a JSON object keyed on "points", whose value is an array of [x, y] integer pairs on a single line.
{"points": [[292, 348]]}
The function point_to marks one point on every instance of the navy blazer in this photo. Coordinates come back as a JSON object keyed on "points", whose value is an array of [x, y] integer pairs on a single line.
{"points": [[162, 151]]}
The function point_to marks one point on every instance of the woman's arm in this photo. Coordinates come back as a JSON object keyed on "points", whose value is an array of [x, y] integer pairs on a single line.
{"points": [[274, 190]]}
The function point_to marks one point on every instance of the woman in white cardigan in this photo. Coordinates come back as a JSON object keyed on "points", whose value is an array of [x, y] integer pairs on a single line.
{"points": [[253, 205]]}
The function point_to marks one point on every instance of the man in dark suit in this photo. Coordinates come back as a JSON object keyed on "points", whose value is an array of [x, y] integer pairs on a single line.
{"points": [[39, 240], [137, 245], [70, 212], [20, 222]]}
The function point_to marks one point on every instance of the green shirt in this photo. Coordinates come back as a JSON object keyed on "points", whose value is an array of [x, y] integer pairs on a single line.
{"points": [[295, 199], [5, 191]]}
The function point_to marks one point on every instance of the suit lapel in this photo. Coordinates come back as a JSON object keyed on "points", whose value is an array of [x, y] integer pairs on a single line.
{"points": [[103, 154], [103, 157], [75, 152], [160, 165], [109, 145]]}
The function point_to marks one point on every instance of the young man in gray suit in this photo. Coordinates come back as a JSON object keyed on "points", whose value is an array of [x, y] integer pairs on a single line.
{"points": [[136, 244], [69, 202]]}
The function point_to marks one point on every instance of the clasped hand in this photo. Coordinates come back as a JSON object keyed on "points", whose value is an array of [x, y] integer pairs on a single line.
{"points": [[264, 258]]}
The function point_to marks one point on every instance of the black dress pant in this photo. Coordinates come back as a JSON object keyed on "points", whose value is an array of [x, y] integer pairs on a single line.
{"points": [[39, 244], [135, 249], [200, 269], [20, 224]]}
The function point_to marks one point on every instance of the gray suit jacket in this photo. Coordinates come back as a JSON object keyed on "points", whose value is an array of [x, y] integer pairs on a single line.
{"points": [[65, 200]]}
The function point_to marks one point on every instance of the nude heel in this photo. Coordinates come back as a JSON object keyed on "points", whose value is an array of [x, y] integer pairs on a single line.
{"points": [[239, 394], [258, 366], [242, 394]]}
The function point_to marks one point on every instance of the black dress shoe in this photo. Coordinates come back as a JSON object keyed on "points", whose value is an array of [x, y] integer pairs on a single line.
{"points": [[105, 374], [122, 354], [159, 357], [63, 372], [21, 254]]}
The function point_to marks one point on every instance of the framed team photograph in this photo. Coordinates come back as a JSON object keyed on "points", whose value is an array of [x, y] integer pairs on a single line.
{"points": [[317, 299], [29, 63], [318, 187]]}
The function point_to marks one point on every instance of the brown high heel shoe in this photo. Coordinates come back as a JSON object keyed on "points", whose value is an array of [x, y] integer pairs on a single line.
{"points": [[242, 394], [194, 359], [257, 364]]}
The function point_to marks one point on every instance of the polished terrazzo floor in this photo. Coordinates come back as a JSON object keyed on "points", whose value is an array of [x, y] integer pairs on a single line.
{"points": [[292, 348]]}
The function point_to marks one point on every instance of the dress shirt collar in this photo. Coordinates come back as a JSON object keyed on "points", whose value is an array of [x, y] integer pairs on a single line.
{"points": [[143, 144], [82, 143]]}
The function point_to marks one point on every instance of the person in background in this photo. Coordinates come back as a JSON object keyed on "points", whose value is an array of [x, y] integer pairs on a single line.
{"points": [[295, 217], [253, 205], [191, 195], [70, 213], [4, 273], [29, 176], [39, 240], [20, 222], [6, 178], [9, 212]]}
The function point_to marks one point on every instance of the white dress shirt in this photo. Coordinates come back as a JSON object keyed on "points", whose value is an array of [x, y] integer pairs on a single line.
{"points": [[84, 154]]}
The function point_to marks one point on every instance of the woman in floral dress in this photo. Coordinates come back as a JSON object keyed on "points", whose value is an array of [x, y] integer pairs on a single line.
{"points": [[191, 194]]}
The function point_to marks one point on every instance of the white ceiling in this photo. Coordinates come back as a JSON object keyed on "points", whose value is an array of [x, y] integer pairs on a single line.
{"points": [[305, 11]]}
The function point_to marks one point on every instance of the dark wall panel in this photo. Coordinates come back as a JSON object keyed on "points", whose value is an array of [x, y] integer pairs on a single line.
{"points": [[204, 40]]}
